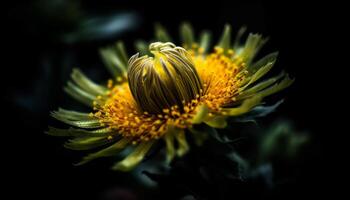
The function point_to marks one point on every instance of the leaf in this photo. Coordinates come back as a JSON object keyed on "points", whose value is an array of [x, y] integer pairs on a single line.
{"points": [[243, 165]]}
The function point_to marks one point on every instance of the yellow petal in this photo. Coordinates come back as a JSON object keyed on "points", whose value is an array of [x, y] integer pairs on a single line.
{"points": [[201, 114]]}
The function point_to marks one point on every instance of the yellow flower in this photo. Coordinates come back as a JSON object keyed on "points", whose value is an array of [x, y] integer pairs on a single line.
{"points": [[162, 93]]}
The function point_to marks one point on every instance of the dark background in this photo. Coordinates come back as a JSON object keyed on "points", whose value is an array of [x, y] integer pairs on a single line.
{"points": [[40, 58]]}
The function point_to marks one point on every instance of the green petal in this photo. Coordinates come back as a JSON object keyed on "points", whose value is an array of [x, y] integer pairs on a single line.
{"points": [[257, 75], [245, 107], [187, 35], [113, 60], [142, 47], [121, 53], [73, 132], [252, 46], [109, 151], [201, 114], [93, 123], [86, 84], [270, 58], [204, 40], [79, 94], [86, 143], [260, 86], [161, 34], [239, 35], [286, 82], [217, 122], [169, 142], [133, 159], [225, 41], [182, 143], [72, 115]]}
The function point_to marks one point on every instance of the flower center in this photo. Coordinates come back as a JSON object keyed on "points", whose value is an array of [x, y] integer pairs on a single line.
{"points": [[168, 79]]}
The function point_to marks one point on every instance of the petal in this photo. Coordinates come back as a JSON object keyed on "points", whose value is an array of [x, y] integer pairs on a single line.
{"points": [[187, 35], [258, 87], [204, 41], [201, 113], [142, 47], [86, 84], [270, 58], [78, 132], [133, 159], [225, 41], [86, 143], [182, 143], [92, 123], [257, 75], [252, 46], [109, 151], [245, 107], [169, 142], [286, 82], [79, 94], [114, 61], [72, 115], [161, 34], [239, 35], [121, 53], [217, 122]]}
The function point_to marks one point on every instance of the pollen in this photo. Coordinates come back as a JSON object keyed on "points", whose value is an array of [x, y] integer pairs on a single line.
{"points": [[219, 75]]}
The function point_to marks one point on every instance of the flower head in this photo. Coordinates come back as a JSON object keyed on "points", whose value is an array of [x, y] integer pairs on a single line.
{"points": [[162, 96]]}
